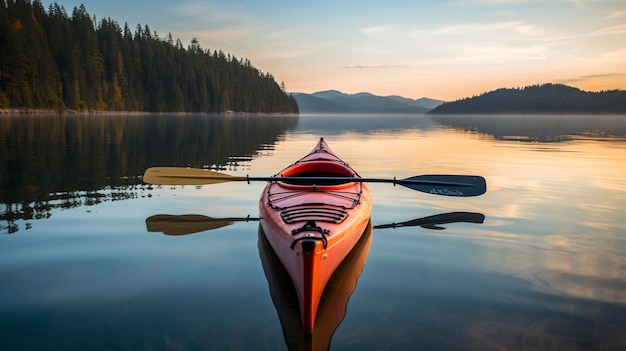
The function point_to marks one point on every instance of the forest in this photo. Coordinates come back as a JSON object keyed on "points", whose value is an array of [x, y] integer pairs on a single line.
{"points": [[538, 99], [50, 60]]}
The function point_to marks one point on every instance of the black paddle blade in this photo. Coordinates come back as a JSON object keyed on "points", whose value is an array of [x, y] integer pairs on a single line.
{"points": [[448, 185], [433, 222]]}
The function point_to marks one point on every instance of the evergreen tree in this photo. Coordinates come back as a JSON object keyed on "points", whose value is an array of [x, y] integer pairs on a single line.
{"points": [[49, 60], [546, 98]]}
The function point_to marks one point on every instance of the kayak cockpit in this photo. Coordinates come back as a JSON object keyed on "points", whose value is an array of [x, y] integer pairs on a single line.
{"points": [[319, 173]]}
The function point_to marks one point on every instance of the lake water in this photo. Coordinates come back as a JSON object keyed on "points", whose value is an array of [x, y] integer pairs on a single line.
{"points": [[546, 270]]}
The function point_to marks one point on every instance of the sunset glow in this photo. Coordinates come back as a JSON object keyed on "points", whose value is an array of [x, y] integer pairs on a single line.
{"points": [[444, 50]]}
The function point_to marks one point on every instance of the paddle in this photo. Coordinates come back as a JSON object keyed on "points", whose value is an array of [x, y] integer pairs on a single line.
{"points": [[432, 222], [189, 224], [449, 185]]}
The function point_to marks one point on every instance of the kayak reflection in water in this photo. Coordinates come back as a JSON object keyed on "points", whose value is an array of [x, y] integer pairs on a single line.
{"points": [[334, 302]]}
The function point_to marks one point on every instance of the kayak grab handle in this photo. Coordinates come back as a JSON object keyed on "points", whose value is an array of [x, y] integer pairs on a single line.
{"points": [[308, 241], [310, 226]]}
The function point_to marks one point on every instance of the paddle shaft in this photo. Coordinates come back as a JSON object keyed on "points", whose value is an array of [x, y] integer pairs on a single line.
{"points": [[321, 180]]}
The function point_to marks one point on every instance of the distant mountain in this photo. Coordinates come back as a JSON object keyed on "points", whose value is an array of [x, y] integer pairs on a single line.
{"points": [[308, 103], [333, 101], [538, 99], [423, 102]]}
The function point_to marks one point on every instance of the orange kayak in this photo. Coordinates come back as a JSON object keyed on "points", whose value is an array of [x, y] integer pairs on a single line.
{"points": [[313, 227]]}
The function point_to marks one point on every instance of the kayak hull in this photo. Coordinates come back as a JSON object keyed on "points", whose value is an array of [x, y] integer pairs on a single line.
{"points": [[313, 227]]}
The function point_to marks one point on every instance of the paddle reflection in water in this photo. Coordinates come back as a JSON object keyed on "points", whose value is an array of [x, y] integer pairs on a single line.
{"points": [[334, 302], [189, 224], [194, 223], [433, 222]]}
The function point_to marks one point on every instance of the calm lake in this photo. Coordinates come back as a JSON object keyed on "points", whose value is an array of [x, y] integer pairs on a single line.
{"points": [[545, 270]]}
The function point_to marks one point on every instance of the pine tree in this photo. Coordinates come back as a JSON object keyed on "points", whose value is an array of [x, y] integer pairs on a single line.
{"points": [[54, 61]]}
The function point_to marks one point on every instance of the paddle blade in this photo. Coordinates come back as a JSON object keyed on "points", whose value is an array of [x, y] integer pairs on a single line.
{"points": [[186, 224], [448, 185], [434, 222], [186, 176]]}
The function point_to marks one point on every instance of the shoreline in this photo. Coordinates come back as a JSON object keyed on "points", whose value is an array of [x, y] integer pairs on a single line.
{"points": [[41, 111], [35, 111]]}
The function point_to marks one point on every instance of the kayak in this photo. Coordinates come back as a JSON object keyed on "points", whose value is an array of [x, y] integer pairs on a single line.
{"points": [[313, 225]]}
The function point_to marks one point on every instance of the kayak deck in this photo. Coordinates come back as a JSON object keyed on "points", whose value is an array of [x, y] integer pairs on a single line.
{"points": [[312, 226]]}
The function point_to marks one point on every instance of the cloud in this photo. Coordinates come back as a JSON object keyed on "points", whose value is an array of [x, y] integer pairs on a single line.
{"points": [[461, 54], [494, 2], [606, 75], [613, 30], [220, 36], [209, 12], [377, 31], [614, 75], [473, 28], [617, 55], [377, 65], [495, 53], [280, 49], [616, 14]]}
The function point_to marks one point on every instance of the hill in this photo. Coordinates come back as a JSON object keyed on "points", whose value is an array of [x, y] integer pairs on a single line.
{"points": [[333, 101], [49, 60], [538, 99]]}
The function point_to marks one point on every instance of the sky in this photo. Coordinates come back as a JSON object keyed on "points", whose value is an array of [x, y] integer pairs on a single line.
{"points": [[446, 50]]}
